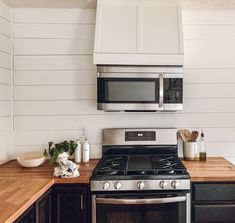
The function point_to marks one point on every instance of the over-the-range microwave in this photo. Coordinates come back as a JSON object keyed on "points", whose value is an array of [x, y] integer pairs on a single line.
{"points": [[140, 88]]}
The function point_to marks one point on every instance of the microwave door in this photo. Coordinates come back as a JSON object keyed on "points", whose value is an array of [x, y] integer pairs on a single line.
{"points": [[128, 94]]}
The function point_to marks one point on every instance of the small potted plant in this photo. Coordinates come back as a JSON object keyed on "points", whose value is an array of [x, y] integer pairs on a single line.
{"points": [[60, 151]]}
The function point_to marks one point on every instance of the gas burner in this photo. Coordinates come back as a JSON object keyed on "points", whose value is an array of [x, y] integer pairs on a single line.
{"points": [[167, 159], [115, 164]]}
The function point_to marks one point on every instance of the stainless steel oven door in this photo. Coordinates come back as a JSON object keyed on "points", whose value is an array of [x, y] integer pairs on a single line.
{"points": [[141, 209]]}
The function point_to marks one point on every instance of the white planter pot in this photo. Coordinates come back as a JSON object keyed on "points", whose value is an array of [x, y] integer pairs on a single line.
{"points": [[62, 157]]}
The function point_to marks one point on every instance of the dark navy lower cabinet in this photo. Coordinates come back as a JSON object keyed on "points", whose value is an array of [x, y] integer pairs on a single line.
{"points": [[71, 204], [213, 203], [43, 208], [39, 212], [63, 203], [28, 216]]}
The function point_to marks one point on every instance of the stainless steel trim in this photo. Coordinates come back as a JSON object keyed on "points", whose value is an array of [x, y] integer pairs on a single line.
{"points": [[132, 185], [173, 107], [139, 69], [93, 207], [161, 91], [128, 75], [128, 106], [188, 208], [140, 201], [117, 137], [116, 107], [81, 202], [138, 75], [179, 75]]}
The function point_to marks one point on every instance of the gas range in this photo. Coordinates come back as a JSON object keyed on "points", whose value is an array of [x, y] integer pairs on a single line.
{"points": [[139, 159]]}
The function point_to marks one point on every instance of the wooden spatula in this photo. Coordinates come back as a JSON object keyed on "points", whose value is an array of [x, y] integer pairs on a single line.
{"points": [[194, 136]]}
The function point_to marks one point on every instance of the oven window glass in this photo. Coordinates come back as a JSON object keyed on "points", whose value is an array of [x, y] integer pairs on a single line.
{"points": [[173, 90], [131, 91], [161, 213]]}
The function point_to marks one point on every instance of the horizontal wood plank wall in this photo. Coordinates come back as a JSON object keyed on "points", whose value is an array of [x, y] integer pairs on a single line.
{"points": [[55, 80], [5, 82]]}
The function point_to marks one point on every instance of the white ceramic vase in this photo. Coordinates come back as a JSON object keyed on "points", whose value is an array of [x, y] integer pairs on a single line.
{"points": [[62, 157]]}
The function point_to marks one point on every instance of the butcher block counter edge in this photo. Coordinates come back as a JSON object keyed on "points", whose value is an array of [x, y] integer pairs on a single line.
{"points": [[214, 170], [17, 213]]}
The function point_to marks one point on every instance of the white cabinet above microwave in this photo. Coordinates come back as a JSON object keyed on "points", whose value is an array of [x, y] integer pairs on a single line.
{"points": [[138, 32]]}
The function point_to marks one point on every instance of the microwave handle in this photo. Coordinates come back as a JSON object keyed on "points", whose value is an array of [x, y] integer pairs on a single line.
{"points": [[140, 201], [161, 90]]}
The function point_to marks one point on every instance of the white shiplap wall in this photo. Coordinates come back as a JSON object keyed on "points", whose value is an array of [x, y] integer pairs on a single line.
{"points": [[55, 91], [5, 82]]}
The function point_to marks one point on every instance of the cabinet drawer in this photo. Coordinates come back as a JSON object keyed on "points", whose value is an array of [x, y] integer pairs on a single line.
{"points": [[214, 192], [219, 213]]}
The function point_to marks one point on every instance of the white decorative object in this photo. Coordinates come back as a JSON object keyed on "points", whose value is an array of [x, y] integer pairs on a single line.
{"points": [[31, 160], [66, 169], [62, 157], [191, 150], [85, 152], [78, 153]]}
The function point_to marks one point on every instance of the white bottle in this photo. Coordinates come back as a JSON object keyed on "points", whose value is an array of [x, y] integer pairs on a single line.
{"points": [[78, 153], [85, 152]]}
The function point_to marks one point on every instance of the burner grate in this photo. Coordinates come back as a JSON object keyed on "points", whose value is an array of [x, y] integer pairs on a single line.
{"points": [[140, 165], [168, 165], [111, 165]]}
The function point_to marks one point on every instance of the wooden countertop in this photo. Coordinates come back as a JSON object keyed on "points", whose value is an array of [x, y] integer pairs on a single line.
{"points": [[21, 187], [215, 169]]}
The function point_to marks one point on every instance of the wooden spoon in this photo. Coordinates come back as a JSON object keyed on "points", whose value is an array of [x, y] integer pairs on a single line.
{"points": [[182, 135], [185, 135], [194, 136]]}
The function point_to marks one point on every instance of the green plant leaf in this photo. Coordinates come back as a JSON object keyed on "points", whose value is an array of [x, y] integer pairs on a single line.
{"points": [[50, 144], [46, 153]]}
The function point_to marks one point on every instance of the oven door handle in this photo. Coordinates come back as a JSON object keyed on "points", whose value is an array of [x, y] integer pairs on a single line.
{"points": [[140, 201]]}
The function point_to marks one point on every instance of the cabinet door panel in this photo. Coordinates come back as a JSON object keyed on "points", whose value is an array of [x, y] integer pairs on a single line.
{"points": [[27, 217], [116, 29], [217, 213], [70, 205], [160, 31], [43, 208]]}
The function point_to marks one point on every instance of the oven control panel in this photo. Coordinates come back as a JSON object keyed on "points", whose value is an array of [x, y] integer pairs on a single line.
{"points": [[138, 185], [140, 136]]}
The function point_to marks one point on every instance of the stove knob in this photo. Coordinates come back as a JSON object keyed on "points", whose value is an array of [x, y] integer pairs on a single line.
{"points": [[175, 184], [140, 185], [105, 185], [163, 184], [117, 185]]}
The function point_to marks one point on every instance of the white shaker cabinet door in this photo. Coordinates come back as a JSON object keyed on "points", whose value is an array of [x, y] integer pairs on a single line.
{"points": [[159, 30], [116, 29]]}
